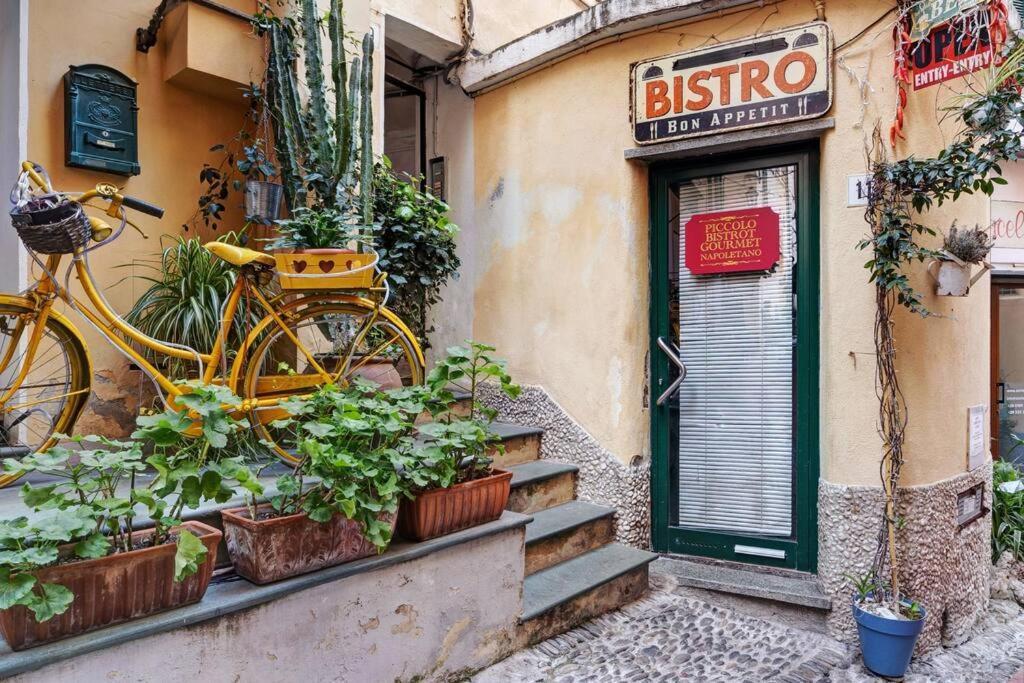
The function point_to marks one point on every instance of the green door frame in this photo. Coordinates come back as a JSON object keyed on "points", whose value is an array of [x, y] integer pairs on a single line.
{"points": [[801, 549]]}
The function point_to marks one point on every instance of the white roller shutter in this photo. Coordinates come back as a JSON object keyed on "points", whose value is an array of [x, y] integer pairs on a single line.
{"points": [[737, 341]]}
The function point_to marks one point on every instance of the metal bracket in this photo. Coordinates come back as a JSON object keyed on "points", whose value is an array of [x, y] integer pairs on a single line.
{"points": [[672, 352]]}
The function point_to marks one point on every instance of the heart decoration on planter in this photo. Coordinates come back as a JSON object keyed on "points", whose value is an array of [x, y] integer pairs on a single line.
{"points": [[299, 266], [326, 266]]}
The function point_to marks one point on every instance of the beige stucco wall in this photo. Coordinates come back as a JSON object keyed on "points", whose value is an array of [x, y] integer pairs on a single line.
{"points": [[561, 282], [495, 22]]}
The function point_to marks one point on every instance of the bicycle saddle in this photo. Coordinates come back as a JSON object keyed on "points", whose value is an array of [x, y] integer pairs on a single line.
{"points": [[238, 256]]}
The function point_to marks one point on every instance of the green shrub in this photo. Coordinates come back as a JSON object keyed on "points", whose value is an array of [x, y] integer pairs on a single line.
{"points": [[416, 243], [1007, 512]]}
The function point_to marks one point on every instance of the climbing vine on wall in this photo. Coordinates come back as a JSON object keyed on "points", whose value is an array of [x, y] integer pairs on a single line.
{"points": [[992, 124]]}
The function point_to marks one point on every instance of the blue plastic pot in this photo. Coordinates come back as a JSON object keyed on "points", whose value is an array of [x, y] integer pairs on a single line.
{"points": [[887, 644]]}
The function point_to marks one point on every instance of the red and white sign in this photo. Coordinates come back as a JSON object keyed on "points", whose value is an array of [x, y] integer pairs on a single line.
{"points": [[735, 241], [952, 50]]}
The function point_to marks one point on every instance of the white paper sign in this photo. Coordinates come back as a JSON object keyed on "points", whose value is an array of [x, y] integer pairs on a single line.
{"points": [[976, 450]]}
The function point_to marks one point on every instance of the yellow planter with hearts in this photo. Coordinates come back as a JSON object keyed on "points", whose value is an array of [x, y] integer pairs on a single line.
{"points": [[326, 269]]}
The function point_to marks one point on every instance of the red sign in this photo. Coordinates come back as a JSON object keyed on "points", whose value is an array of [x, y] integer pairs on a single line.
{"points": [[732, 241], [953, 50]]}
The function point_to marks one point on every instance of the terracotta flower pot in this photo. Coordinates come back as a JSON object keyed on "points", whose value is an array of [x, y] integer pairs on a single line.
{"points": [[268, 550], [380, 371], [438, 512], [112, 589]]}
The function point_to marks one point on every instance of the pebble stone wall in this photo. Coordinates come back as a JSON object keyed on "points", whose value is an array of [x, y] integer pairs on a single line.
{"points": [[945, 567], [603, 479]]}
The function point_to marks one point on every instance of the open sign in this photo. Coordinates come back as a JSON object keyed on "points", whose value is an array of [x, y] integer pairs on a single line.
{"points": [[782, 76]]}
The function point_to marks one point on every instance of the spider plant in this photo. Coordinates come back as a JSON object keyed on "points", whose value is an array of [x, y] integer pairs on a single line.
{"points": [[185, 298]]}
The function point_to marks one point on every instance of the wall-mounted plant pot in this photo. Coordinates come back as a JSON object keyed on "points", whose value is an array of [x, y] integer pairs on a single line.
{"points": [[112, 589], [438, 512], [268, 550], [887, 645], [263, 201], [953, 277]]}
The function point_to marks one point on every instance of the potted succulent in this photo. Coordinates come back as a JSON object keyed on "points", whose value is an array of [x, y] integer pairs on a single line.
{"points": [[80, 561], [341, 501], [961, 248], [455, 485], [314, 250], [888, 626]]}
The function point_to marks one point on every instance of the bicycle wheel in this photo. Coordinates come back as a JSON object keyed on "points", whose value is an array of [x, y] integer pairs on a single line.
{"points": [[340, 338], [54, 392]]}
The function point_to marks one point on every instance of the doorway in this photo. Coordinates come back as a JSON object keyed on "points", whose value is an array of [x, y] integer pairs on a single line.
{"points": [[734, 358], [1007, 368]]}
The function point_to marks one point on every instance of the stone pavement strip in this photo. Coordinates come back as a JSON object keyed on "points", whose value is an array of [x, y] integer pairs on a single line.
{"points": [[678, 634]]}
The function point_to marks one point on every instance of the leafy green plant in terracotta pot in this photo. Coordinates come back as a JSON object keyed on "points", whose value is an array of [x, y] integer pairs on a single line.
{"points": [[455, 485], [79, 560], [341, 501]]}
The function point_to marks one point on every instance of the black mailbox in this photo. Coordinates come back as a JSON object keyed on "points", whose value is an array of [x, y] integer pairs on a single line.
{"points": [[101, 120]]}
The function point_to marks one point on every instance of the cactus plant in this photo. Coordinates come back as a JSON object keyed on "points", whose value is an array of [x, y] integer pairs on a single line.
{"points": [[324, 149]]}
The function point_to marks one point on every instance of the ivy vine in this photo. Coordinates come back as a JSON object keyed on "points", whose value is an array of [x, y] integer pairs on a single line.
{"points": [[992, 123]]}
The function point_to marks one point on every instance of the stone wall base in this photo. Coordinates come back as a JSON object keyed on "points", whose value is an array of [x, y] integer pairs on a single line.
{"points": [[436, 618], [945, 567], [603, 479]]}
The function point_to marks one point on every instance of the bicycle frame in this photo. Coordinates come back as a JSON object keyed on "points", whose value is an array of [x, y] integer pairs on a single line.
{"points": [[46, 290]]}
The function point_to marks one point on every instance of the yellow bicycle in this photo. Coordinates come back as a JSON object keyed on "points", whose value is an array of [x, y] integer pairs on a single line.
{"points": [[327, 331]]}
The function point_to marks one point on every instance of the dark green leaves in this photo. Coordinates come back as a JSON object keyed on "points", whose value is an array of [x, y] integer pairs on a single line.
{"points": [[416, 243]]}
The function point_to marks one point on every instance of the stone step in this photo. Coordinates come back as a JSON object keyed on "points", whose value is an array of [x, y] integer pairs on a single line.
{"points": [[541, 484], [787, 586], [522, 444], [566, 531], [561, 597]]}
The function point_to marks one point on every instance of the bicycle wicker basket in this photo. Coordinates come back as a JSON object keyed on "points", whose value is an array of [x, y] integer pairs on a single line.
{"points": [[50, 224], [326, 271]]}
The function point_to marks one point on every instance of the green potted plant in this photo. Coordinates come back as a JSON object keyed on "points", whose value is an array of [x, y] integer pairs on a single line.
{"points": [[455, 485], [79, 561], [416, 243], [262, 195], [320, 242], [341, 501]]}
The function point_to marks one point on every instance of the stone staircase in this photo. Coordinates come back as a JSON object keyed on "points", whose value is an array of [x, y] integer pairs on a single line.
{"points": [[574, 568]]}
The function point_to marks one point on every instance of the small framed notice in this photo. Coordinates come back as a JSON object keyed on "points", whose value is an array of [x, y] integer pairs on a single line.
{"points": [[970, 505], [976, 449], [436, 178]]}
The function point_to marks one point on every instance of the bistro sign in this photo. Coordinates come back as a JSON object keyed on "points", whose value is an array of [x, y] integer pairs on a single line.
{"points": [[773, 78]]}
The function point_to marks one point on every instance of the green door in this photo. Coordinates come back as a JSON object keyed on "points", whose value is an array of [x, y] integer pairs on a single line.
{"points": [[734, 358]]}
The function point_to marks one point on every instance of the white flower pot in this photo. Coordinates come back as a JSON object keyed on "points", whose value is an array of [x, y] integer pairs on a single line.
{"points": [[954, 277]]}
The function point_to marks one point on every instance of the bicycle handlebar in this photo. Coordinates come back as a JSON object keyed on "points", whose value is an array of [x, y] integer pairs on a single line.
{"points": [[143, 207]]}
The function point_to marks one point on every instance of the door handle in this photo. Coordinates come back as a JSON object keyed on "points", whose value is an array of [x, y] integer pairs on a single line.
{"points": [[672, 352], [1002, 392]]}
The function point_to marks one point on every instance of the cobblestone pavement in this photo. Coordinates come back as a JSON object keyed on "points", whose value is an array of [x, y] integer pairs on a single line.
{"points": [[678, 634]]}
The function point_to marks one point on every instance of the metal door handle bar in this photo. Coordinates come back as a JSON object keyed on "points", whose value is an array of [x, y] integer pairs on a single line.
{"points": [[673, 355]]}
